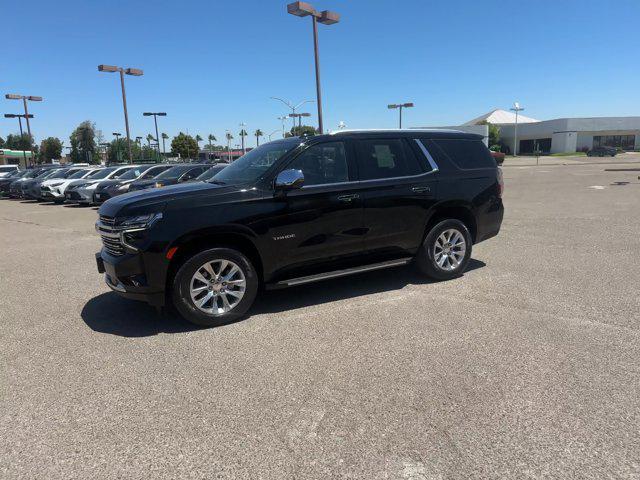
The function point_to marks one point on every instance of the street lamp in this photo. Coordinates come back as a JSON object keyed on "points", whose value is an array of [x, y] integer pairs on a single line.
{"points": [[303, 9], [400, 106], [129, 71], [155, 119], [20, 116], [516, 108], [118, 156], [275, 131], [299, 117], [283, 118], [24, 98]]}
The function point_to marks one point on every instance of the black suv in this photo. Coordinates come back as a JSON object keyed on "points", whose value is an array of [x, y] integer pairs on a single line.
{"points": [[299, 210]]}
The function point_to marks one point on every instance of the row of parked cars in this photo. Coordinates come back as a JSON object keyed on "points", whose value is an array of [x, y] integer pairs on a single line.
{"points": [[92, 185]]}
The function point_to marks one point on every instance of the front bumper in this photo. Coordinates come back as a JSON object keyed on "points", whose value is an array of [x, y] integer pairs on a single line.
{"points": [[80, 195], [126, 276]]}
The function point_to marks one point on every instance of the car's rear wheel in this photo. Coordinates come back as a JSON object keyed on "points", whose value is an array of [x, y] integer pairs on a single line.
{"points": [[446, 250], [215, 287]]}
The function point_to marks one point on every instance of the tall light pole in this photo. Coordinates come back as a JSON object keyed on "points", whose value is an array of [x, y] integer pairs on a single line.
{"points": [[272, 133], [282, 118], [118, 156], [516, 108], [24, 98], [129, 71], [400, 106], [155, 119], [299, 117], [303, 9], [292, 107], [20, 117]]}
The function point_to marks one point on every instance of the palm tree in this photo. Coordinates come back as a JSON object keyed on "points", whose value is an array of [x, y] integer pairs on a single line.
{"points": [[164, 137], [229, 137], [198, 140], [243, 133], [258, 133], [149, 138], [211, 138]]}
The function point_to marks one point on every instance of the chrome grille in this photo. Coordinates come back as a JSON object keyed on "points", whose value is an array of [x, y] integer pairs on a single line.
{"points": [[110, 235]]}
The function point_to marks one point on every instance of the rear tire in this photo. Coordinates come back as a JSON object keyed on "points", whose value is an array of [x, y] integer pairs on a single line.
{"points": [[446, 250], [215, 287]]}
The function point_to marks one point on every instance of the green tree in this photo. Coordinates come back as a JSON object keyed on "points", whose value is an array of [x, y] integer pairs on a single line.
{"points": [[15, 141], [1, 142], [302, 130], [83, 143], [118, 150], [211, 138], [258, 133], [50, 149], [184, 145], [494, 135], [164, 137]]}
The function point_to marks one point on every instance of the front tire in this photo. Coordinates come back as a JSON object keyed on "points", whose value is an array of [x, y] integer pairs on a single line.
{"points": [[215, 287], [446, 250]]}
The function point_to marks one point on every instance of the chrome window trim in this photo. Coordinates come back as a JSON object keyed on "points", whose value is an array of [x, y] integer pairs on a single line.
{"points": [[434, 165]]}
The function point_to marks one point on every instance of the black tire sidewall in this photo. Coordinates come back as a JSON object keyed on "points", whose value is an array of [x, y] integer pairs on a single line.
{"points": [[426, 260], [181, 287]]}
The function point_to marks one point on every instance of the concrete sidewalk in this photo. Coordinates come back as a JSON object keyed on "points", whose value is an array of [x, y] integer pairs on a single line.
{"points": [[623, 158]]}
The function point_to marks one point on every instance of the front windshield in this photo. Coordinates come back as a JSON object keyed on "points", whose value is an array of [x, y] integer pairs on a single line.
{"points": [[154, 172], [78, 174], [252, 165], [119, 173], [98, 174], [50, 173], [135, 172], [58, 174], [174, 172]]}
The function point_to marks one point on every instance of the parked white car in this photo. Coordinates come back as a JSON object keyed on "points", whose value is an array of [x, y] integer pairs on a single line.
{"points": [[54, 189], [82, 192]]}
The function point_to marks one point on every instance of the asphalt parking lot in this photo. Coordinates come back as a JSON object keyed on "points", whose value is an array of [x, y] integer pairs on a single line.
{"points": [[526, 367]]}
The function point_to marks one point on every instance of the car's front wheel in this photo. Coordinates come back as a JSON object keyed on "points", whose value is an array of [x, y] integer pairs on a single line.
{"points": [[215, 287], [446, 250]]}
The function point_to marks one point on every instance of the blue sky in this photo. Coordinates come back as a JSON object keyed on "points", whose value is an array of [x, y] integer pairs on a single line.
{"points": [[213, 64]]}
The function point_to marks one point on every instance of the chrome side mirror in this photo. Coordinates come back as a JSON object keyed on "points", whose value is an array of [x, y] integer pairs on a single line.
{"points": [[289, 180]]}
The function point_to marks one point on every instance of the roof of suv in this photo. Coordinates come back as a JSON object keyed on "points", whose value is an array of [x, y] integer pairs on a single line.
{"points": [[432, 132]]}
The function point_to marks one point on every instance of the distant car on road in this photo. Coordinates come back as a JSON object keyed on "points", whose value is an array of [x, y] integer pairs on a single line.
{"points": [[602, 152]]}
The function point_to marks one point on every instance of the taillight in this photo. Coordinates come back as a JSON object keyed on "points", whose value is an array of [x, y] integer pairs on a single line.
{"points": [[500, 183]]}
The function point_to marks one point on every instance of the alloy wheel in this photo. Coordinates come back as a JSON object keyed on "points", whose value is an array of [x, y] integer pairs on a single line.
{"points": [[449, 249], [217, 286]]}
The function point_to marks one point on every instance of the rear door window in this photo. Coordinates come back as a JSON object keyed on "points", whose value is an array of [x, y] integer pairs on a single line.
{"points": [[466, 154], [386, 158]]}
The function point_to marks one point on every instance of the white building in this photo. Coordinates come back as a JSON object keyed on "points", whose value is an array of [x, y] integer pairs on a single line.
{"points": [[563, 134]]}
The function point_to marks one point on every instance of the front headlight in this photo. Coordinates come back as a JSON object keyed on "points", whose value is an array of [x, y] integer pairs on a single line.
{"points": [[57, 184], [93, 186], [123, 188], [138, 222]]}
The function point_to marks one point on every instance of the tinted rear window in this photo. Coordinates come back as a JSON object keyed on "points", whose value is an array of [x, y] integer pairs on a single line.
{"points": [[466, 154]]}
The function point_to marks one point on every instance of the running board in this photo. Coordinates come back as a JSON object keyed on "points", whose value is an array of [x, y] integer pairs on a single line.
{"points": [[342, 273]]}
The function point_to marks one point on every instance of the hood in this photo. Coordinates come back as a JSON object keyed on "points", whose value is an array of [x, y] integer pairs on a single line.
{"points": [[141, 201]]}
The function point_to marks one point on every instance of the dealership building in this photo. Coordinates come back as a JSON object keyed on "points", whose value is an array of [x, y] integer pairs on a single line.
{"points": [[561, 135]]}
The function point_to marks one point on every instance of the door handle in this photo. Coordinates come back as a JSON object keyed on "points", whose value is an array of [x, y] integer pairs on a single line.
{"points": [[348, 198], [421, 189]]}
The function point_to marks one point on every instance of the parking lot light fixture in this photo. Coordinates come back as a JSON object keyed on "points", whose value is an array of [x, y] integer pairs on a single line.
{"points": [[516, 108], [155, 119], [136, 72], [400, 106], [326, 17], [24, 98]]}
